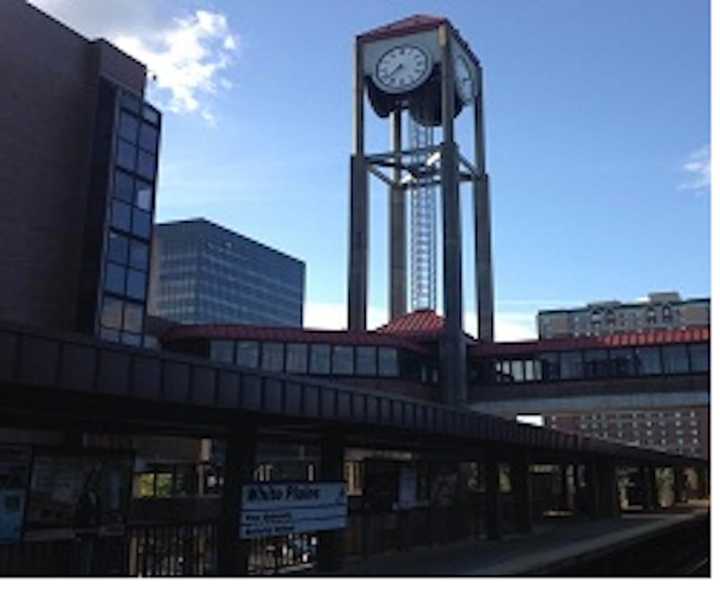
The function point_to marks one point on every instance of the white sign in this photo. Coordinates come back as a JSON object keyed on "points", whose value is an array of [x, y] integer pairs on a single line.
{"points": [[271, 509]]}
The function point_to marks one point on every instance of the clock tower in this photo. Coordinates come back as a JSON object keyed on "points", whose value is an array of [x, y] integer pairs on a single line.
{"points": [[420, 67]]}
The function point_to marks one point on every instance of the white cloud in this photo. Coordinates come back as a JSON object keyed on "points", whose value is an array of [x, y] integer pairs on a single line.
{"points": [[509, 326], [697, 170], [185, 55]]}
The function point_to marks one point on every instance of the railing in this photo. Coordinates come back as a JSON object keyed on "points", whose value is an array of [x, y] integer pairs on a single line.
{"points": [[283, 555]]}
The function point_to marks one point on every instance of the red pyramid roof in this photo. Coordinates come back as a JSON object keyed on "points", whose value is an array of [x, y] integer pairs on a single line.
{"points": [[405, 26], [422, 322]]}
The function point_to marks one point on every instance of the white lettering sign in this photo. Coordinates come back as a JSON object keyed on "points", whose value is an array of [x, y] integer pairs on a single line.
{"points": [[271, 509]]}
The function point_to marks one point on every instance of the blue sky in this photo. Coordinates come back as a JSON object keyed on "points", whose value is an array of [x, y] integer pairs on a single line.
{"points": [[597, 126]]}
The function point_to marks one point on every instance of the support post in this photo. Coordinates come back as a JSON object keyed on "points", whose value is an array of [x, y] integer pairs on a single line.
{"points": [[522, 491], [484, 292], [703, 491], [609, 500], [359, 210], [233, 554], [678, 485], [564, 492], [592, 489], [332, 461], [453, 367], [493, 526], [397, 235], [650, 491]]}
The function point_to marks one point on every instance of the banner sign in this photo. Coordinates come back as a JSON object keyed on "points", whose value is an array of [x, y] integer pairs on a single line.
{"points": [[14, 474], [80, 491], [272, 509]]}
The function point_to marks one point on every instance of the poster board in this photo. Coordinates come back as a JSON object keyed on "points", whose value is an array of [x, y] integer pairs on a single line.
{"points": [[272, 509], [78, 491], [14, 475]]}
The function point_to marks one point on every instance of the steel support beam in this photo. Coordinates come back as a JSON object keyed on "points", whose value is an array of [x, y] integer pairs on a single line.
{"points": [[493, 518], [650, 491], [522, 491], [397, 234], [484, 291], [564, 491], [240, 453], [332, 460], [359, 208], [453, 366]]}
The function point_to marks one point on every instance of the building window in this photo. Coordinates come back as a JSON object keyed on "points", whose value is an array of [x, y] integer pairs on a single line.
{"points": [[648, 360], [596, 363], [650, 315], [517, 371], [622, 362], [117, 248], [550, 366], [222, 351], [320, 359], [297, 357], [667, 314], [342, 360], [247, 354], [112, 313], [675, 359], [115, 279], [388, 362], [272, 356], [366, 360], [532, 370], [699, 357], [123, 186], [571, 366]]}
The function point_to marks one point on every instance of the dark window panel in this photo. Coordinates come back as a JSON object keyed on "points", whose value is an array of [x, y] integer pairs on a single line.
{"points": [[675, 359], [110, 335], [141, 222], [596, 363], [699, 357], [152, 115], [388, 362], [222, 350], [112, 313], [115, 278], [517, 371], [139, 255], [129, 125], [120, 216], [133, 319], [320, 359], [130, 102], [550, 366], [123, 186], [571, 366], [622, 362], [126, 154], [146, 165], [366, 360], [143, 195], [148, 138], [248, 354], [131, 339], [272, 356], [117, 248], [136, 284], [297, 357], [648, 360]]}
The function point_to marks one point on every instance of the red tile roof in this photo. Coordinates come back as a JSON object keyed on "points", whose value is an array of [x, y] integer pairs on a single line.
{"points": [[283, 334], [405, 26], [420, 323], [677, 336]]}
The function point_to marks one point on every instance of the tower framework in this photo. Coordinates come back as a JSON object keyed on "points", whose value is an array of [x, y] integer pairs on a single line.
{"points": [[423, 223]]}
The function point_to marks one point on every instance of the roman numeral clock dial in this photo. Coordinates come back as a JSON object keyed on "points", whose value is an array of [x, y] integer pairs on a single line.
{"points": [[402, 68]]}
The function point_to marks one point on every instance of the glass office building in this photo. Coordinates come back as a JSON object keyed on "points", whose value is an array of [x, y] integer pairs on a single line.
{"points": [[203, 273]]}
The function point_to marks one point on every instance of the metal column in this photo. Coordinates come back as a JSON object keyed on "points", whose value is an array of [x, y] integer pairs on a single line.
{"points": [[397, 235], [454, 379], [332, 461], [359, 210], [233, 553], [484, 292], [522, 491]]}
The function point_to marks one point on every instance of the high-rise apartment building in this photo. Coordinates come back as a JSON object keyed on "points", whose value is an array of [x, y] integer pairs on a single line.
{"points": [[78, 167], [660, 311], [203, 273]]}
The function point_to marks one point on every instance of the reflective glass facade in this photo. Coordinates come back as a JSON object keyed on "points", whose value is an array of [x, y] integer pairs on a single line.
{"points": [[205, 274]]}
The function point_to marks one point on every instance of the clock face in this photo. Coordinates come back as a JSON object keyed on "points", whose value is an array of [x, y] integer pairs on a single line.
{"points": [[464, 81], [402, 68]]}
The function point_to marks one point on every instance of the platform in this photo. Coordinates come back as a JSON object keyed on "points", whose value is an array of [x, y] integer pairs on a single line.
{"points": [[554, 541]]}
